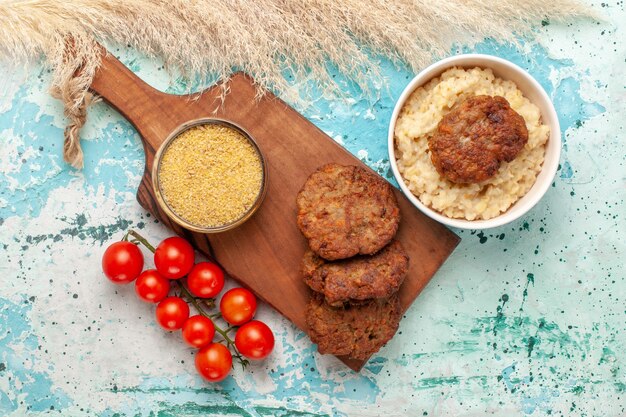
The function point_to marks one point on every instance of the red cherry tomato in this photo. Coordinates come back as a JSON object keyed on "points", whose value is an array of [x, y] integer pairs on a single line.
{"points": [[174, 257], [205, 280], [214, 362], [254, 340], [172, 312], [198, 331], [151, 286], [122, 262], [238, 306]]}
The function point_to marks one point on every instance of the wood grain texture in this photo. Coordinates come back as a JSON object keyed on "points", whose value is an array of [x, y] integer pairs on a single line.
{"points": [[264, 253]]}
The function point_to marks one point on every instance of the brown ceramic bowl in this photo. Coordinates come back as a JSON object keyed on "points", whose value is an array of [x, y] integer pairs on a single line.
{"points": [[175, 216]]}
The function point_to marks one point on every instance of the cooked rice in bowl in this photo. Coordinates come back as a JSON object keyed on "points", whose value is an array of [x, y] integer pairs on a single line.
{"points": [[418, 120]]}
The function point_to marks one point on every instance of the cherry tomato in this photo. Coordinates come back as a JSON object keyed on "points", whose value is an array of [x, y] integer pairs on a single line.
{"points": [[238, 306], [214, 362], [172, 312], [198, 331], [151, 286], [174, 257], [254, 340], [205, 280], [122, 262]]}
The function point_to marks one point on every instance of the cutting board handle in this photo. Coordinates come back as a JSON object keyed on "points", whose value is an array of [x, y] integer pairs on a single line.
{"points": [[144, 106]]}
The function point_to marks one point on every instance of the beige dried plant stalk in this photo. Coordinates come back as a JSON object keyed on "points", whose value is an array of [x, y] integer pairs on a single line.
{"points": [[207, 39]]}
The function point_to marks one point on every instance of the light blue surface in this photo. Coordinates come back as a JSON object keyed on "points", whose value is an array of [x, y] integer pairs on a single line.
{"points": [[526, 319]]}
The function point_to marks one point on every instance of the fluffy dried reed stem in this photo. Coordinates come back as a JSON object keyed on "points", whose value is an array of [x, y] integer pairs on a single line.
{"points": [[206, 39]]}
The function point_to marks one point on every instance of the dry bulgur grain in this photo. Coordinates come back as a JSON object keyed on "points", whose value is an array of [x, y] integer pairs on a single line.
{"points": [[210, 175]]}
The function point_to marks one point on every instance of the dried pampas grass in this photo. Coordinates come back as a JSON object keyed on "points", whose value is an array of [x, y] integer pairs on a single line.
{"points": [[206, 39]]}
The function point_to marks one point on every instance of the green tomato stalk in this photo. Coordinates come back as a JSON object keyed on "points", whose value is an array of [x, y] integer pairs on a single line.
{"points": [[196, 302]]}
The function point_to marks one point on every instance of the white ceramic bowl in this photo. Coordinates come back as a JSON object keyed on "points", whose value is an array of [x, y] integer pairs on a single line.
{"points": [[533, 91]]}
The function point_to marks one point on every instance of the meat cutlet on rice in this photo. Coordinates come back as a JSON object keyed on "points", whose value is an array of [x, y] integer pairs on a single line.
{"points": [[475, 137]]}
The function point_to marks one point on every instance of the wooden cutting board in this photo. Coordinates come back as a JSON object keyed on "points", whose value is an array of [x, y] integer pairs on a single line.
{"points": [[264, 253]]}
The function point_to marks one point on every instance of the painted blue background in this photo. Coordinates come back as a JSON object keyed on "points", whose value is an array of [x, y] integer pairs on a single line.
{"points": [[526, 319]]}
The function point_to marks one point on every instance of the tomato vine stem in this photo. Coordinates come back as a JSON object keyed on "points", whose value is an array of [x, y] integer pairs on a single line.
{"points": [[139, 239], [230, 343]]}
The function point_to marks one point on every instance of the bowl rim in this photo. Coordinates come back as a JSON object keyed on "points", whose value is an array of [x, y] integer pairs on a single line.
{"points": [[550, 117], [171, 214]]}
